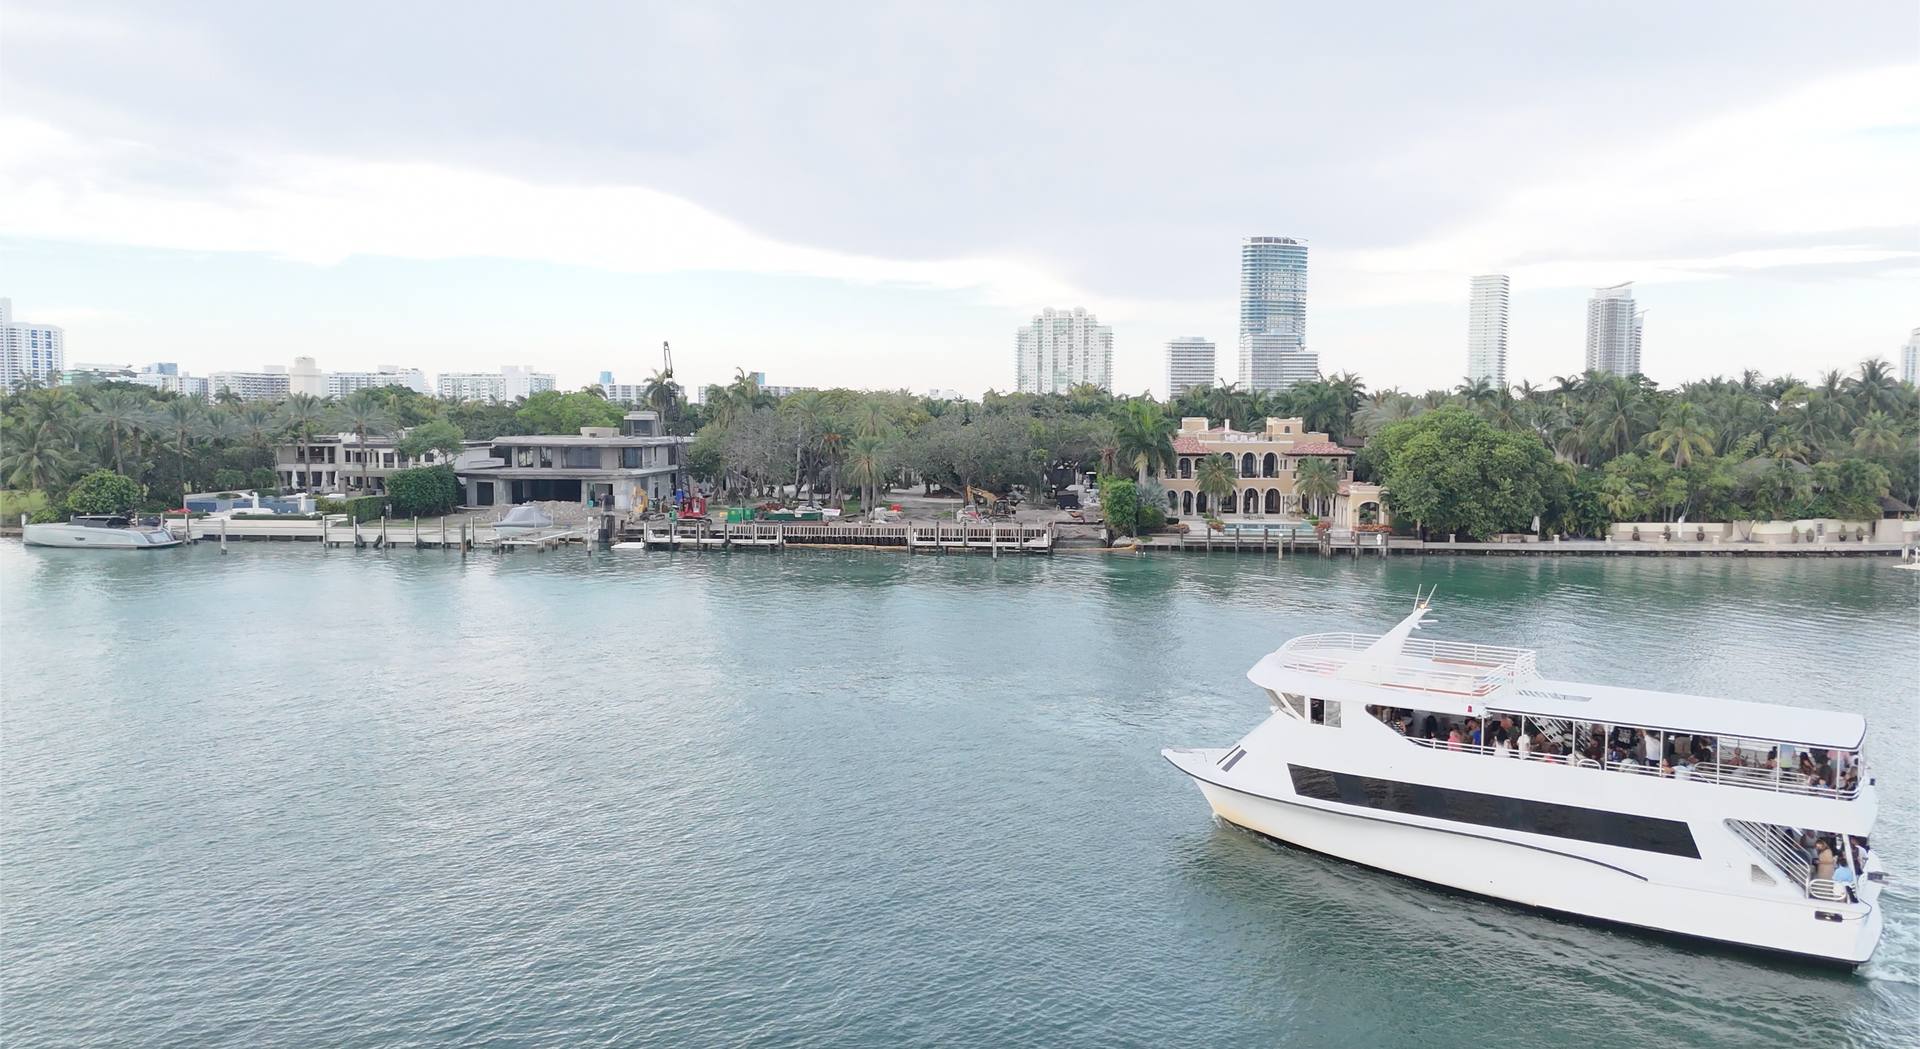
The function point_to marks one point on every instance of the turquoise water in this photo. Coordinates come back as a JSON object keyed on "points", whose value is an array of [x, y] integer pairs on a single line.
{"points": [[287, 797]]}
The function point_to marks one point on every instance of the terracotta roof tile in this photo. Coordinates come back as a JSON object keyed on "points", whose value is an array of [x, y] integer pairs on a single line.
{"points": [[1318, 448], [1184, 445]]}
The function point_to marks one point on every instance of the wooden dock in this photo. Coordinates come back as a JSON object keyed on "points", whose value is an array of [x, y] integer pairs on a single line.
{"points": [[936, 537]]}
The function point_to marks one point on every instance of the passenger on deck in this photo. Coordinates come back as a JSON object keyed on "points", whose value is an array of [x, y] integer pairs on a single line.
{"points": [[1473, 731], [1430, 728], [1809, 845], [1823, 862], [1453, 739], [1526, 746]]}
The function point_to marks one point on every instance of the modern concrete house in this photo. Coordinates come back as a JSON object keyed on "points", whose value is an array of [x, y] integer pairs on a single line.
{"points": [[629, 467], [336, 462]]}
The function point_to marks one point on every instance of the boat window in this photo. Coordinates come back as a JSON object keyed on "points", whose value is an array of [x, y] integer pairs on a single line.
{"points": [[1644, 833], [1325, 712], [1728, 760]]}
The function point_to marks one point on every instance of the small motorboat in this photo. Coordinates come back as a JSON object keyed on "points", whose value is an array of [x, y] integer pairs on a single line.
{"points": [[104, 531], [524, 519]]}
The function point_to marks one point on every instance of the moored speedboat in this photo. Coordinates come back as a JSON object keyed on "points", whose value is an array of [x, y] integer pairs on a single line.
{"points": [[1456, 764], [98, 531], [524, 519]]}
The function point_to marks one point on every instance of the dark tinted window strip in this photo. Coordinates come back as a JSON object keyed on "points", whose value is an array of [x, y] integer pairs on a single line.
{"points": [[1645, 833], [1234, 760]]}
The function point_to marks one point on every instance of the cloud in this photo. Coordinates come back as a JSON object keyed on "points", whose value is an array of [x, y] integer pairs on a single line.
{"points": [[1817, 178], [322, 210]]}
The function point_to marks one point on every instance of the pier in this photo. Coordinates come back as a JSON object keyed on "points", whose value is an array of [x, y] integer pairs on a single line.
{"points": [[931, 537]]}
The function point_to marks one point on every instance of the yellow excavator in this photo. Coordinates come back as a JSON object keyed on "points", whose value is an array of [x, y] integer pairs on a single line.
{"points": [[987, 504]]}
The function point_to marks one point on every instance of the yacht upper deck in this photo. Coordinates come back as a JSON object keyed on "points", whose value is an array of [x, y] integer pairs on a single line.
{"points": [[1455, 668], [1396, 669]]}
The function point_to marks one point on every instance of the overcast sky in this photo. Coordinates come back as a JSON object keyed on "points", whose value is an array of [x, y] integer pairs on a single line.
{"points": [[879, 195]]}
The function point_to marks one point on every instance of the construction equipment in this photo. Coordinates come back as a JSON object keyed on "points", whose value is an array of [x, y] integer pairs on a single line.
{"points": [[987, 504], [666, 353]]}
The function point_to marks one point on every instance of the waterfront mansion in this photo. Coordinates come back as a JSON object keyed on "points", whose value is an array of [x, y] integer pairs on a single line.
{"points": [[1265, 462]]}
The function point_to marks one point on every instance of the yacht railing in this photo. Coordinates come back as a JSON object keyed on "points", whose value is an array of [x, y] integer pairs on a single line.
{"points": [[1454, 667], [1780, 848], [1781, 781]]}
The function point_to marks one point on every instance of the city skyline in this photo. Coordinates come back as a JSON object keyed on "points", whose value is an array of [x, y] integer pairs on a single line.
{"points": [[238, 193]]}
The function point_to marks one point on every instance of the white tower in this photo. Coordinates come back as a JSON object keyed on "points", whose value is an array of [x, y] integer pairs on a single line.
{"points": [[1190, 363], [1613, 331], [1487, 330]]}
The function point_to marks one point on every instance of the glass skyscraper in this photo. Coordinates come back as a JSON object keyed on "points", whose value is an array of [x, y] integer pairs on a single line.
{"points": [[1613, 331], [1487, 331], [1273, 315]]}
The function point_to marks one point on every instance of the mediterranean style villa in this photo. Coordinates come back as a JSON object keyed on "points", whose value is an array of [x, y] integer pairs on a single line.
{"points": [[1265, 462]]}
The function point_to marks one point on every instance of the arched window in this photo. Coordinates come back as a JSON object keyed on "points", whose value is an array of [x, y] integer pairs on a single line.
{"points": [[1186, 502], [1270, 466], [1186, 468], [1246, 465], [1273, 500], [1252, 501], [1200, 503], [1227, 504]]}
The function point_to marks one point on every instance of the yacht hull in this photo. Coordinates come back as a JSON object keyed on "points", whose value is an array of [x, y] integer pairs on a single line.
{"points": [[1487, 863], [81, 537]]}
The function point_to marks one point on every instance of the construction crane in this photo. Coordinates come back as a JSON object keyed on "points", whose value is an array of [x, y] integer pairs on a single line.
{"points": [[666, 352]]}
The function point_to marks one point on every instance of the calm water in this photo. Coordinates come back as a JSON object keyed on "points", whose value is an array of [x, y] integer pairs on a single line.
{"points": [[294, 797]]}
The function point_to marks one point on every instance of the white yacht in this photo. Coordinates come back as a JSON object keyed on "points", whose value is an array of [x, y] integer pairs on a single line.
{"points": [[1457, 764], [99, 531]]}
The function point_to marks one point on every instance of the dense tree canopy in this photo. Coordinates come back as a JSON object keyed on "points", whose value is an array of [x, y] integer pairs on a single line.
{"points": [[1451, 471], [1583, 451]]}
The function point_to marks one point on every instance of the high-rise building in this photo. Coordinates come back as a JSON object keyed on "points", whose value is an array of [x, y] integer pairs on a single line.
{"points": [[1062, 349], [29, 351], [1910, 358], [340, 384], [511, 382], [468, 386], [1190, 363], [306, 377], [523, 381], [1487, 330], [1273, 315], [1613, 331], [267, 384]]}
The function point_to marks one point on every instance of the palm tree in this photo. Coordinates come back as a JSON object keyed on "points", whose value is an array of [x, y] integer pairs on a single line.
{"points": [[1317, 480], [42, 450], [362, 413], [1144, 437], [118, 412], [662, 394], [1682, 435], [1616, 419], [1217, 478], [1874, 387], [869, 418], [181, 419], [257, 423], [808, 410], [1222, 403], [1877, 434], [867, 467], [302, 414]]}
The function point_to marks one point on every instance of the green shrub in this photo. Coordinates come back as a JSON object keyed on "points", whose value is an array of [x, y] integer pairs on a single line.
{"points": [[423, 490], [47, 515], [104, 492], [360, 508], [263, 477], [225, 479], [1120, 502]]}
